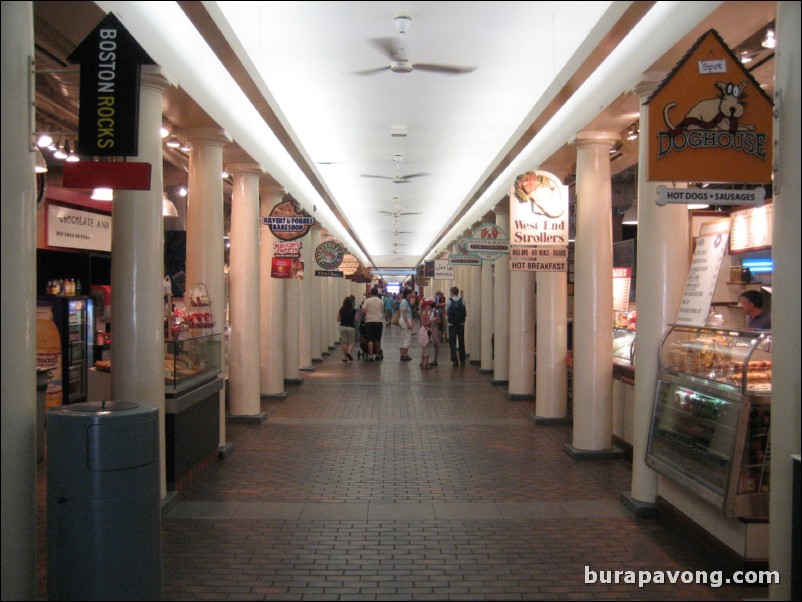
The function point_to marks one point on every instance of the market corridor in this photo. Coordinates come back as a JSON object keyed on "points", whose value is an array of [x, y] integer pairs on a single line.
{"points": [[379, 481]]}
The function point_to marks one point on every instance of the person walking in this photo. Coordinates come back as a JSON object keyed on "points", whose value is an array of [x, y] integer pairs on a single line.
{"points": [[456, 313], [405, 322], [425, 333], [388, 308], [346, 316], [373, 313], [438, 303]]}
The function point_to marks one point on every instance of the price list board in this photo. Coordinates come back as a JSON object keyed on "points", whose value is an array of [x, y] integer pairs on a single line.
{"points": [[710, 248]]}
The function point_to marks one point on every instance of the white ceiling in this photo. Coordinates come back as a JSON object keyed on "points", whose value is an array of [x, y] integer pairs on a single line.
{"points": [[318, 127], [457, 124]]}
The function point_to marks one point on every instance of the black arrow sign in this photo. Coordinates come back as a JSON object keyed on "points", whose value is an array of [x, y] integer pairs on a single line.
{"points": [[108, 119]]}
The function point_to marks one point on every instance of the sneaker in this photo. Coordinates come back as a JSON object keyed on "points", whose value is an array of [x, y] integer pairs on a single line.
{"points": [[370, 358], [350, 357]]}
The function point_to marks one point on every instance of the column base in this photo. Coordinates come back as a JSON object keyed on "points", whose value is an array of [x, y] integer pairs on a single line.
{"points": [[500, 383], [293, 381], [307, 369], [324, 354], [546, 421], [521, 396], [612, 453], [317, 360], [636, 507], [246, 418], [486, 371], [168, 502], [332, 347], [273, 396], [225, 450]]}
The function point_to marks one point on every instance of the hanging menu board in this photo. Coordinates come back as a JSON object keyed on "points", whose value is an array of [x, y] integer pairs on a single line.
{"points": [[622, 279], [751, 229], [710, 248]]}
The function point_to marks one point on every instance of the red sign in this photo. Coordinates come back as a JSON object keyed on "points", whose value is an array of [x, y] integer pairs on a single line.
{"points": [[107, 174]]}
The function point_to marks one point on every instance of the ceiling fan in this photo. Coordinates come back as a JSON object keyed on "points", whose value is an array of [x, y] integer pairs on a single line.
{"points": [[397, 211], [399, 63], [397, 178]]}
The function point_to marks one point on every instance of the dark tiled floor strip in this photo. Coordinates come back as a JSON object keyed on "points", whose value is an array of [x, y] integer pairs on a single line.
{"points": [[381, 481]]}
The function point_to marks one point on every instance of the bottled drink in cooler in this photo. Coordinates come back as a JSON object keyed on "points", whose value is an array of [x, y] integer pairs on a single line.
{"points": [[48, 353]]}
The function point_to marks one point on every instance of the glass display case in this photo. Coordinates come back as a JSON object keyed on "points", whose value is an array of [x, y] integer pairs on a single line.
{"points": [[624, 346], [191, 361], [711, 418]]}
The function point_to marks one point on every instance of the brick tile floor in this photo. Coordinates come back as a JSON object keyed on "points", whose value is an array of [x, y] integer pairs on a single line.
{"points": [[381, 481]]}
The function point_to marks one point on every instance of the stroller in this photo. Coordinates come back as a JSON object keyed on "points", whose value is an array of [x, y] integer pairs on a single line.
{"points": [[364, 349]]}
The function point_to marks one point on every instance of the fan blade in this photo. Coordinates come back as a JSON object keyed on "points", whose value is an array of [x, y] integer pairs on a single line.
{"points": [[449, 69], [371, 71], [387, 46], [414, 175], [364, 175]]}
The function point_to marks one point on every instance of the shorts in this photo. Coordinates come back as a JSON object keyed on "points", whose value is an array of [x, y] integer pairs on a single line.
{"points": [[373, 331], [347, 334]]}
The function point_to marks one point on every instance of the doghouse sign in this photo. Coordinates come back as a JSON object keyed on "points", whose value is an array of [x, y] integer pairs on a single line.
{"points": [[710, 121]]}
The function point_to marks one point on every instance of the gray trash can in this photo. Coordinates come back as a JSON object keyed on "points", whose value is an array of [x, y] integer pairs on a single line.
{"points": [[103, 502]]}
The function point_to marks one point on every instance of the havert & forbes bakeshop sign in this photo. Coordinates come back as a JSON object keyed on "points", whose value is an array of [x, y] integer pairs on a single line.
{"points": [[702, 128]]}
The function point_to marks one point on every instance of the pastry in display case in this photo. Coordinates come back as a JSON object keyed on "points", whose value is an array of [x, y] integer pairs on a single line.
{"points": [[624, 346], [198, 314], [191, 361], [738, 360], [711, 418]]}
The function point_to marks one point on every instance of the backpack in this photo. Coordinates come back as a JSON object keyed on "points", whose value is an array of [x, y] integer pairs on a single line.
{"points": [[456, 312]]}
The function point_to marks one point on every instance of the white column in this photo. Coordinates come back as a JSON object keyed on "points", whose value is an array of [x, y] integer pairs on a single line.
{"points": [[323, 306], [292, 330], [305, 306], [501, 304], [19, 307], [473, 323], [137, 270], [785, 413], [243, 276], [551, 387], [314, 297], [522, 335], [205, 230], [593, 297], [663, 257], [271, 310], [486, 318]]}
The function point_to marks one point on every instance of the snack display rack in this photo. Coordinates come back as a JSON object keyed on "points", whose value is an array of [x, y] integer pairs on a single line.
{"points": [[711, 416]]}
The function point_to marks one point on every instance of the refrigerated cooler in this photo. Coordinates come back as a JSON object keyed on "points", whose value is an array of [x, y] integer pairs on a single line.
{"points": [[72, 317]]}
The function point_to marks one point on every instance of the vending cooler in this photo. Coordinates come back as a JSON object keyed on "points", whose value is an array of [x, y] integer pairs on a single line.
{"points": [[72, 317]]}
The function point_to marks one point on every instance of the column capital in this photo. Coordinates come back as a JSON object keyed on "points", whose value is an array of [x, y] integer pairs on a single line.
{"points": [[152, 76], [502, 207], [648, 84], [245, 169], [207, 135], [590, 138]]}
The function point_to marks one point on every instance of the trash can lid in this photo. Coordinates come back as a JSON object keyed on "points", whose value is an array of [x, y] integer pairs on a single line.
{"points": [[102, 406]]}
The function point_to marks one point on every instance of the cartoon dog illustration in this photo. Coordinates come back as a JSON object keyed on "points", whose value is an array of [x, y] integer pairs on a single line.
{"points": [[720, 113]]}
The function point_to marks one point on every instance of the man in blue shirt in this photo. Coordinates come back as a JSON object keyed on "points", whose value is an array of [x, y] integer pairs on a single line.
{"points": [[752, 303]]}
